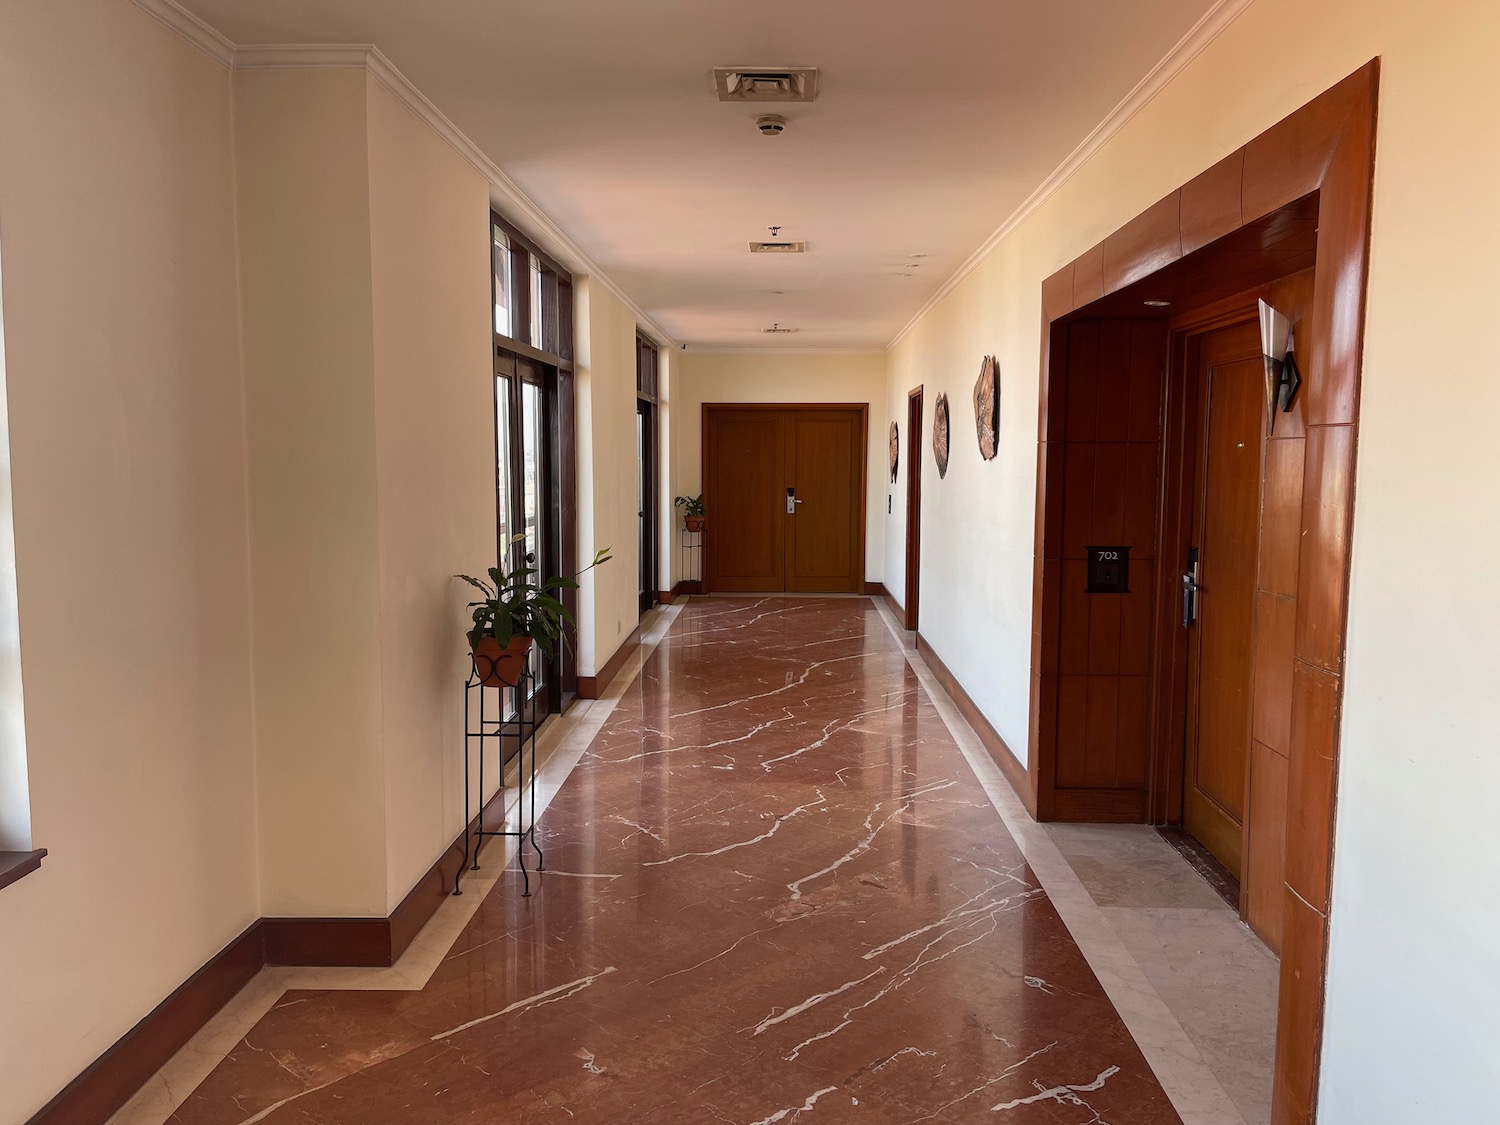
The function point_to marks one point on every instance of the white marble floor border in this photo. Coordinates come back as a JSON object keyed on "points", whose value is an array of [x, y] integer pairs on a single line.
{"points": [[561, 743], [1195, 1092]]}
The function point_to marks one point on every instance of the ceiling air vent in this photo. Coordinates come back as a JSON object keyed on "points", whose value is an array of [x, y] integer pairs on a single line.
{"points": [[778, 330], [766, 83], [778, 247]]}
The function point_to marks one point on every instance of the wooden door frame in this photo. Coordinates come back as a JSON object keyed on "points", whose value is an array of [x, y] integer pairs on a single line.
{"points": [[706, 452], [1327, 147], [915, 403]]}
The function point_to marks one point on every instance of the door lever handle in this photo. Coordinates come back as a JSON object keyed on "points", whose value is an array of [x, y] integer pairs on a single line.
{"points": [[1190, 590], [792, 501]]}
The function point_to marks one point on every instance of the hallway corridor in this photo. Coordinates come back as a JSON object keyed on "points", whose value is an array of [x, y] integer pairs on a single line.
{"points": [[775, 891]]}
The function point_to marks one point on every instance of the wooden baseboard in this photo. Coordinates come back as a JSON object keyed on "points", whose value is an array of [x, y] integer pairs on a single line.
{"points": [[96, 1094], [896, 607], [874, 589], [590, 687], [666, 597], [364, 942], [999, 752]]}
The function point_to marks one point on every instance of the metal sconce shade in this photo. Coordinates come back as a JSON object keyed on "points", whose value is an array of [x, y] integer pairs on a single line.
{"points": [[1282, 377]]}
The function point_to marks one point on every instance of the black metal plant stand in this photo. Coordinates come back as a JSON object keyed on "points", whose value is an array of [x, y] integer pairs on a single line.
{"points": [[519, 730]]}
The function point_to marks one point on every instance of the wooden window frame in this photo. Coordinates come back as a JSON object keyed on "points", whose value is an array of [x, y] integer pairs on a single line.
{"points": [[554, 363]]}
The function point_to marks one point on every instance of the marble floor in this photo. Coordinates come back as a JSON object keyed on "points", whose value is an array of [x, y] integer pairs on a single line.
{"points": [[784, 883]]}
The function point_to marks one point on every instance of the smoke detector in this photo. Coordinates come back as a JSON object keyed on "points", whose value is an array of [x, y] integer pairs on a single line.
{"points": [[766, 83], [778, 247], [771, 124]]}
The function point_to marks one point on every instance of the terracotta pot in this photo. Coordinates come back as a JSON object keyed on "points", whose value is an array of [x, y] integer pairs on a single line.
{"points": [[498, 666], [694, 523]]}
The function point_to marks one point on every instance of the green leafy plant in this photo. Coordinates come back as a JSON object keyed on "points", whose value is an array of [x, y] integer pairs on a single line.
{"points": [[691, 505], [517, 604]]}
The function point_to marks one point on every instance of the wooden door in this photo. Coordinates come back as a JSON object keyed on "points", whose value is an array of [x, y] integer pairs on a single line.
{"points": [[824, 480], [1226, 536], [784, 490], [744, 474]]}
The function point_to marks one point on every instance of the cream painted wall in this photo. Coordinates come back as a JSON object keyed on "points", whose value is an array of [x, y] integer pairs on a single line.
{"points": [[608, 608], [1414, 964], [435, 466], [310, 393], [122, 358], [846, 377]]}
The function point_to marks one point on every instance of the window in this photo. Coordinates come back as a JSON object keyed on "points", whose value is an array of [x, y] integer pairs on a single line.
{"points": [[535, 482], [648, 462], [501, 259]]}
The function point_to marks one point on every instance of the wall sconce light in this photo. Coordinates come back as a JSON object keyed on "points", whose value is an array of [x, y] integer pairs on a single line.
{"points": [[1282, 377]]}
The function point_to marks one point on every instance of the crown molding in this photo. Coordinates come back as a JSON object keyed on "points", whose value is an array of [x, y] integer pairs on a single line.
{"points": [[508, 197], [1202, 33], [693, 349], [176, 18], [305, 56]]}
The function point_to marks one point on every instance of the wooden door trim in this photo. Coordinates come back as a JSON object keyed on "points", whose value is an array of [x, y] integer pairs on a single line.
{"points": [[916, 397], [862, 507], [1327, 147]]}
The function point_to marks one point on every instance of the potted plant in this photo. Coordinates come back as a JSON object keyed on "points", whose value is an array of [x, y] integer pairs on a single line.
{"points": [[516, 611], [692, 511]]}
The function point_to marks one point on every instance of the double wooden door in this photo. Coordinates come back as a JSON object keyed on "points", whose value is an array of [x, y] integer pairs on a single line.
{"points": [[1219, 583], [784, 490]]}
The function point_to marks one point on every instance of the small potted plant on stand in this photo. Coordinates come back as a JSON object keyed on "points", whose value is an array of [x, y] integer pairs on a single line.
{"points": [[517, 610], [692, 511]]}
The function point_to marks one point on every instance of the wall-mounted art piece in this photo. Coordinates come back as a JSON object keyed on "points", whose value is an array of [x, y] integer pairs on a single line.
{"points": [[895, 450], [940, 434], [987, 408]]}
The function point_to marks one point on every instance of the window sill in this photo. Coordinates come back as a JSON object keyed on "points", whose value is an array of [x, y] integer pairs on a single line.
{"points": [[17, 865]]}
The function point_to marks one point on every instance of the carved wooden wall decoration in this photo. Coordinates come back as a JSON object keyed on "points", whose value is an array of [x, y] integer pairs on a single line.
{"points": [[895, 450], [940, 434], [987, 408]]}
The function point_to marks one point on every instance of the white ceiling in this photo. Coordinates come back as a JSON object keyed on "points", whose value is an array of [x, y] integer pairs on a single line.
{"points": [[935, 119]]}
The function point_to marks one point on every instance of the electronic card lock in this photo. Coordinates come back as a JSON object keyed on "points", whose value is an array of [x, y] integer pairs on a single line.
{"points": [[1190, 590], [791, 501]]}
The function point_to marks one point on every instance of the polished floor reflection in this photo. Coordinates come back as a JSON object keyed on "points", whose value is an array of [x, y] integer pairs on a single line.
{"points": [[776, 892]]}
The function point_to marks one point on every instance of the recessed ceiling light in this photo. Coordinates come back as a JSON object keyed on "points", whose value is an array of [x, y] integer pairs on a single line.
{"points": [[1156, 304]]}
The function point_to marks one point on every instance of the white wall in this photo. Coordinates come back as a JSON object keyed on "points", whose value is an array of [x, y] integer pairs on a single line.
{"points": [[1414, 964], [310, 393], [122, 359], [435, 466], [608, 608], [841, 377]]}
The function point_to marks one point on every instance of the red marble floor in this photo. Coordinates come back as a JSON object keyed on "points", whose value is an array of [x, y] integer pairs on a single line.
{"points": [[776, 893]]}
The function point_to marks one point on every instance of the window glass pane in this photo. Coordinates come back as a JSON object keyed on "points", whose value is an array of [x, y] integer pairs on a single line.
{"points": [[536, 301], [531, 462], [501, 261], [502, 468], [531, 469]]}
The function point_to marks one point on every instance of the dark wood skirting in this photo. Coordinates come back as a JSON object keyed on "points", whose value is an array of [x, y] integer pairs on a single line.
{"points": [[590, 687], [16, 865], [874, 589], [328, 941], [999, 751], [890, 600], [96, 1094]]}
